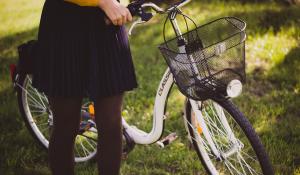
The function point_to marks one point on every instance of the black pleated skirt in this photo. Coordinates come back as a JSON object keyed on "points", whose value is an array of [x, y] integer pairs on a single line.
{"points": [[79, 55]]}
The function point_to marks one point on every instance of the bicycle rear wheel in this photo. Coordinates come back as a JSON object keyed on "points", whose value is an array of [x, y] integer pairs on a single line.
{"points": [[35, 110], [245, 156]]}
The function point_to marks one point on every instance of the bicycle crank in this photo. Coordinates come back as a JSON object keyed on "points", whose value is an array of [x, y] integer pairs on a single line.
{"points": [[167, 140], [129, 144]]}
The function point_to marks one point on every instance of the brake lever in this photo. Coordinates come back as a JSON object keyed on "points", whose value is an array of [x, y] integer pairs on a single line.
{"points": [[138, 21], [143, 17], [136, 9]]}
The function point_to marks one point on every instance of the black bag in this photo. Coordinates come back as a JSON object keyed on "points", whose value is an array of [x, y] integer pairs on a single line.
{"points": [[27, 54]]}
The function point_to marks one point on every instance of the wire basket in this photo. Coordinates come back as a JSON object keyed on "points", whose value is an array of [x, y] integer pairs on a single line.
{"points": [[212, 55]]}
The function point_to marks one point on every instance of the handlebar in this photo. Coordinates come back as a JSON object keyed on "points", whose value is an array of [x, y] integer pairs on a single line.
{"points": [[137, 8], [160, 10]]}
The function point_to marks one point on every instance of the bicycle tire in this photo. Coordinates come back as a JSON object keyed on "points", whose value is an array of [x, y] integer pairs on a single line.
{"points": [[23, 84], [246, 128]]}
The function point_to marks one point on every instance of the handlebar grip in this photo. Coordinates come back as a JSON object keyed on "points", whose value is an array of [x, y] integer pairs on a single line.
{"points": [[135, 9]]}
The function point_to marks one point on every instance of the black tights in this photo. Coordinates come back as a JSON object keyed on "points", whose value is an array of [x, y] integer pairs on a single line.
{"points": [[66, 115]]}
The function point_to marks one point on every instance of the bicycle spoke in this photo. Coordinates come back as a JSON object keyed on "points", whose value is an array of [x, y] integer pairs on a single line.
{"points": [[230, 164], [37, 111], [35, 106], [39, 115], [88, 137], [228, 167], [217, 132], [76, 151], [249, 156], [84, 150], [43, 129], [247, 165], [34, 102], [203, 142], [241, 164], [38, 94], [214, 125], [215, 115], [90, 144], [29, 95], [40, 97]]}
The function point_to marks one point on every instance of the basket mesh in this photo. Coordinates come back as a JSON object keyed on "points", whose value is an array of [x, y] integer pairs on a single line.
{"points": [[213, 55]]}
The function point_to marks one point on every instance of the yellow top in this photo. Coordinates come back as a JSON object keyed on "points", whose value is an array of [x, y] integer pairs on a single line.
{"points": [[84, 2]]}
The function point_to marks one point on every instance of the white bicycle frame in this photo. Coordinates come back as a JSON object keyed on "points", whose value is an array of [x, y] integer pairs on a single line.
{"points": [[141, 137]]}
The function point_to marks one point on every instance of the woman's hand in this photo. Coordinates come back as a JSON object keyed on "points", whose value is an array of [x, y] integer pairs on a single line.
{"points": [[117, 13]]}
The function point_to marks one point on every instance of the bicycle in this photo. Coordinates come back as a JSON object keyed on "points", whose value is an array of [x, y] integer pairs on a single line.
{"points": [[223, 138]]}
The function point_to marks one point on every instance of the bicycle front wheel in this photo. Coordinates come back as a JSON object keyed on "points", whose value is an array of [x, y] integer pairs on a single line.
{"points": [[35, 110], [237, 148]]}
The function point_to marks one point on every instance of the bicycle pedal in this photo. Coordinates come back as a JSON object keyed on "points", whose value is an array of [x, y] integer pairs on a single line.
{"points": [[167, 140], [124, 156]]}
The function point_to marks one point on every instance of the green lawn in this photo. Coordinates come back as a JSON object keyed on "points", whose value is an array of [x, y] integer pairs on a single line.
{"points": [[271, 98]]}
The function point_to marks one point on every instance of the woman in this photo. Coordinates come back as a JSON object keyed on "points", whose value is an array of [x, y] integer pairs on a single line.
{"points": [[80, 55]]}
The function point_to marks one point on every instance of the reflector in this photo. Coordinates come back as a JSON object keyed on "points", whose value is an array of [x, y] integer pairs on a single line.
{"points": [[12, 68]]}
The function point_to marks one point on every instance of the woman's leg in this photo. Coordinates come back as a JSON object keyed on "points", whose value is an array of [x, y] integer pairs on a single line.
{"points": [[66, 119], [109, 124]]}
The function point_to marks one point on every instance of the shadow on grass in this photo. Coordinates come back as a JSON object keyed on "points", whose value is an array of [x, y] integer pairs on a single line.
{"points": [[285, 77], [277, 19], [286, 74], [19, 153], [284, 2], [8, 48], [260, 21], [271, 102]]}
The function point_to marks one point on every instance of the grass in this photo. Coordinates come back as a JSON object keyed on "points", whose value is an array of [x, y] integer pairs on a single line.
{"points": [[270, 99]]}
